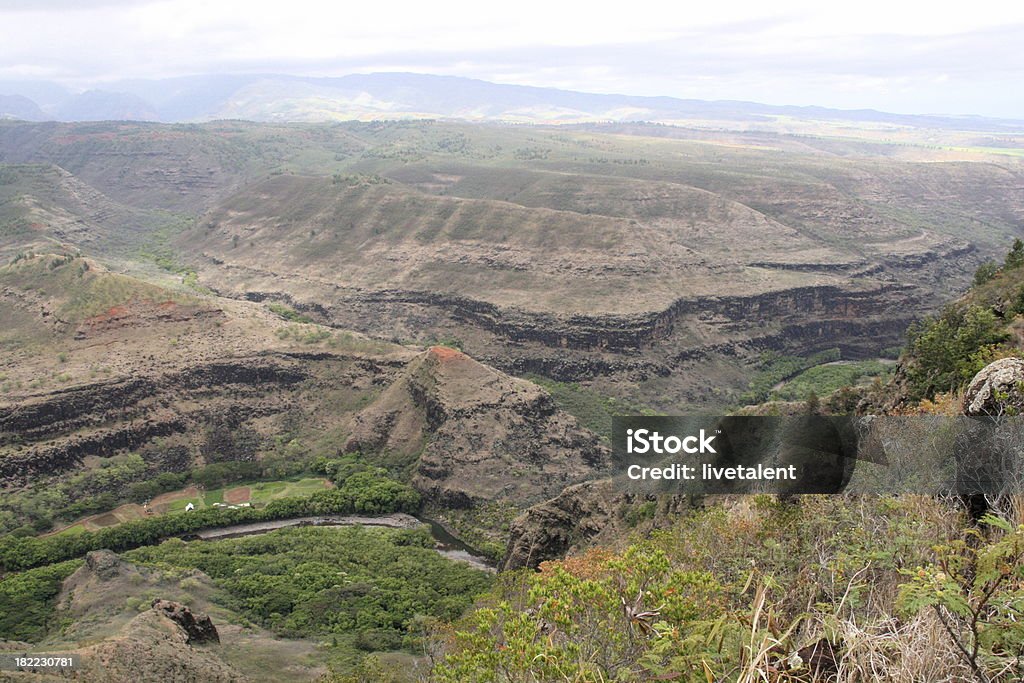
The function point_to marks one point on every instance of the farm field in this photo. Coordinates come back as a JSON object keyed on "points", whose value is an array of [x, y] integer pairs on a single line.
{"points": [[255, 494]]}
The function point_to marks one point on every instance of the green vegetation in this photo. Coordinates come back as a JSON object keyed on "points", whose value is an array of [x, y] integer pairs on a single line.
{"points": [[985, 272], [308, 334], [289, 314], [949, 349], [366, 492], [159, 248], [26, 600], [260, 493], [729, 594], [822, 380], [81, 291], [367, 587], [977, 592], [775, 368], [116, 480], [483, 527], [594, 411], [945, 351], [91, 491]]}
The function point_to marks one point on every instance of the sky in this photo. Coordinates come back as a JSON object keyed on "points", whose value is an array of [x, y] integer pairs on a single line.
{"points": [[906, 57]]}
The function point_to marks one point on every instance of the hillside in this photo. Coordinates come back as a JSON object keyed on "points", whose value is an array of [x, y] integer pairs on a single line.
{"points": [[217, 335], [906, 587], [638, 259]]}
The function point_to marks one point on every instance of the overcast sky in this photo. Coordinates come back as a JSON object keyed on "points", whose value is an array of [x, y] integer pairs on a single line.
{"points": [[964, 58]]}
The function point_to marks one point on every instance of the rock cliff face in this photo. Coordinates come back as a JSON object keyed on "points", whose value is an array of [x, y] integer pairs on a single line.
{"points": [[673, 344], [52, 432], [614, 280], [551, 529], [198, 628], [464, 432], [630, 333]]}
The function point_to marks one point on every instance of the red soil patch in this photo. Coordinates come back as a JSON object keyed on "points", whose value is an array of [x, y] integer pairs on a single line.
{"points": [[69, 139], [114, 312], [240, 494], [446, 354]]}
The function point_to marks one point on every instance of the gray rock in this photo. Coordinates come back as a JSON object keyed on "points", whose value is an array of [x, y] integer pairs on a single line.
{"points": [[997, 390], [105, 564]]}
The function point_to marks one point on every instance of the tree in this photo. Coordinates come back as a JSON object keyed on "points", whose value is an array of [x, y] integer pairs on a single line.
{"points": [[813, 404], [985, 272], [1015, 257], [946, 352]]}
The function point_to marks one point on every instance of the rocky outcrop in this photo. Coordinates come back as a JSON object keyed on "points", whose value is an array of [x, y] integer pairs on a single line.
{"points": [[155, 647], [615, 333], [198, 628], [998, 389], [99, 403], [104, 564], [551, 529], [572, 369]]}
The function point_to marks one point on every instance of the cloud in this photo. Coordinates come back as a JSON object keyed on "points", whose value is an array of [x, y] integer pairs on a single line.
{"points": [[880, 55], [64, 5]]}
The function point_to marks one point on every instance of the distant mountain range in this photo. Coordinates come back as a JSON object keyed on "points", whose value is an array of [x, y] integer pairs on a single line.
{"points": [[275, 97]]}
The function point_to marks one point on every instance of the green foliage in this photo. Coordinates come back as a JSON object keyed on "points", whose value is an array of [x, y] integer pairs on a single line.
{"points": [[94, 490], [947, 351], [775, 368], [117, 480], [26, 600], [289, 314], [218, 474], [825, 379], [985, 272], [594, 410], [635, 513], [315, 581], [1015, 257], [364, 492], [358, 180], [306, 334], [339, 469], [1017, 302], [976, 589], [595, 618], [719, 595]]}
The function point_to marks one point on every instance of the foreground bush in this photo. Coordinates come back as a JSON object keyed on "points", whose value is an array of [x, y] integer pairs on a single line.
{"points": [[838, 589]]}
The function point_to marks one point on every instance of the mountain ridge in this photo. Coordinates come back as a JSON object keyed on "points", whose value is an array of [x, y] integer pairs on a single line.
{"points": [[383, 95]]}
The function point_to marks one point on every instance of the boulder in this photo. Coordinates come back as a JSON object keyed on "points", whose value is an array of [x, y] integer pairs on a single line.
{"points": [[105, 564], [998, 389]]}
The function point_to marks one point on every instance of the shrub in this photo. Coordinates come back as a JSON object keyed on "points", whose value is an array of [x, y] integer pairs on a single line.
{"points": [[947, 351]]}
